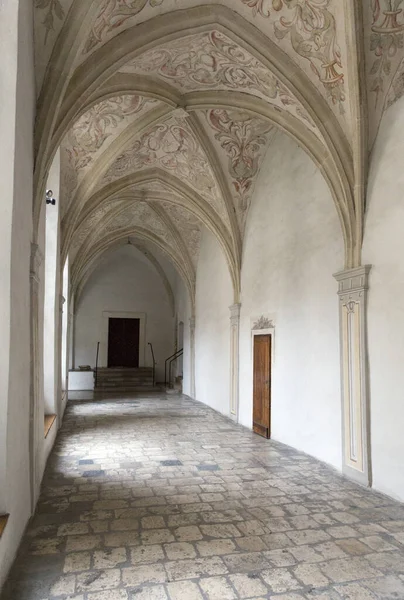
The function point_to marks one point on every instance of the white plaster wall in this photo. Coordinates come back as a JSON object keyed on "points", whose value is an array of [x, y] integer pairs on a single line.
{"points": [[8, 78], [214, 295], [20, 148], [383, 248], [293, 245], [124, 282], [51, 307], [183, 308]]}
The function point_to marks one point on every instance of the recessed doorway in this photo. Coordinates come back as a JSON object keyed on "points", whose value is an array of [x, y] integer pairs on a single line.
{"points": [[262, 385], [123, 342]]}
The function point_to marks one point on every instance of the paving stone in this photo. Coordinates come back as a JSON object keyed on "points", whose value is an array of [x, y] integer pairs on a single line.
{"points": [[153, 522], [215, 547], [184, 590], [109, 558], [280, 580], [147, 554], [76, 562], [109, 595], [98, 580], [349, 569], [221, 530], [355, 591], [156, 592], [248, 587], [217, 587], [191, 569], [248, 562], [179, 550], [142, 574], [157, 536]]}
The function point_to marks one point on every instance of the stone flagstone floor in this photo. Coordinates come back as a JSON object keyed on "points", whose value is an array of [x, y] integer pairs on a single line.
{"points": [[157, 498]]}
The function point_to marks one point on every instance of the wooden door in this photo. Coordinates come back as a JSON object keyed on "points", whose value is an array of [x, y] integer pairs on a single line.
{"points": [[262, 385], [123, 342]]}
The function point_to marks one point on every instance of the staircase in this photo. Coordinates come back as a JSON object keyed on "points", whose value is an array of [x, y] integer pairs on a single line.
{"points": [[125, 380]]}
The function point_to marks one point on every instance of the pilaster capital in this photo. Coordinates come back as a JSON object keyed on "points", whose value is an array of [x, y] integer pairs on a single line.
{"points": [[353, 282]]}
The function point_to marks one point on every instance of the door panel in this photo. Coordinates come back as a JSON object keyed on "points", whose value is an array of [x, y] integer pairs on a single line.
{"points": [[123, 342], [262, 385]]}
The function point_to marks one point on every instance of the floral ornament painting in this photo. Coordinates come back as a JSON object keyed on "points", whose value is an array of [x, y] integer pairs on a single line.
{"points": [[113, 14], [53, 9], [313, 35], [386, 40]]}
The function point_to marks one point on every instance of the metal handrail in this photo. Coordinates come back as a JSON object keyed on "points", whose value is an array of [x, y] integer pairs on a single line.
{"points": [[154, 364], [166, 361], [180, 353], [96, 366]]}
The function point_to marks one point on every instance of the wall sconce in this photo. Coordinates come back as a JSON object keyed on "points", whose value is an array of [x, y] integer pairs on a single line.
{"points": [[49, 198]]}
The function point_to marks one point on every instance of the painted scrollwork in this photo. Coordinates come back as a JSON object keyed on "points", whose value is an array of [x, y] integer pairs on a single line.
{"points": [[172, 147], [386, 40], [313, 35], [243, 138], [208, 60], [92, 129], [213, 61], [113, 14], [261, 7], [54, 9]]}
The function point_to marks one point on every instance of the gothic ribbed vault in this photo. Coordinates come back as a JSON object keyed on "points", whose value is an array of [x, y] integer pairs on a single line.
{"points": [[163, 116]]}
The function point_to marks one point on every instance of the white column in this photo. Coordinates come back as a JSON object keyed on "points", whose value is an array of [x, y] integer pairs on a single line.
{"points": [[58, 370], [234, 359], [192, 352], [36, 421], [353, 287]]}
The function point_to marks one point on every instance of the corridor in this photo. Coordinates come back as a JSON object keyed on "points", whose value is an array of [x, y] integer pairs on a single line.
{"points": [[160, 497]]}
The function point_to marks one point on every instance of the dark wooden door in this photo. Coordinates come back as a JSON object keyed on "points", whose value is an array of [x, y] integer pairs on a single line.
{"points": [[123, 342], [262, 385]]}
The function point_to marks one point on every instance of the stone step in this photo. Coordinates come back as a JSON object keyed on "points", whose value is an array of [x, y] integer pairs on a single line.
{"points": [[143, 388], [125, 380]]}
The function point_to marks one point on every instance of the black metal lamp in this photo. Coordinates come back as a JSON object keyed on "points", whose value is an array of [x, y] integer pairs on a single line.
{"points": [[49, 198]]}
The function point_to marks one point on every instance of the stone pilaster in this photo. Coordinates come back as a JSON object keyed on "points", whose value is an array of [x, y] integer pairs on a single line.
{"points": [[234, 359], [35, 420], [352, 291], [192, 352]]}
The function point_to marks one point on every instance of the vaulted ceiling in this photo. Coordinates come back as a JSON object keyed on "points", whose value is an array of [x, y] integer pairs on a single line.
{"points": [[163, 115]]}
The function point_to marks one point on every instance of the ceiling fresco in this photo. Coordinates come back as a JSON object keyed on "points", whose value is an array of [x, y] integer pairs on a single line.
{"points": [[164, 111], [171, 146]]}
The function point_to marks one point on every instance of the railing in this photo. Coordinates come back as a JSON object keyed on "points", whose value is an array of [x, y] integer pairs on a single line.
{"points": [[180, 353], [96, 366], [171, 359], [154, 363]]}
